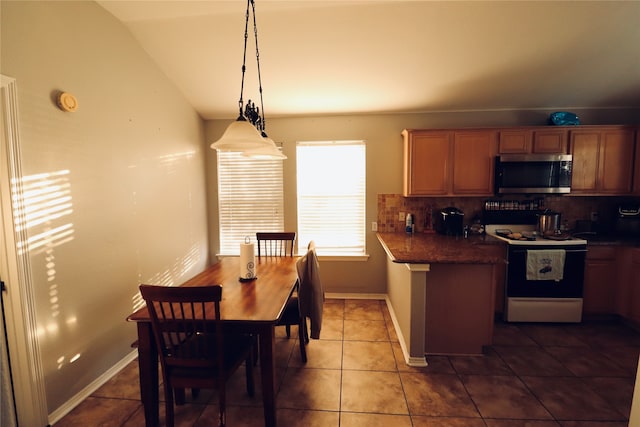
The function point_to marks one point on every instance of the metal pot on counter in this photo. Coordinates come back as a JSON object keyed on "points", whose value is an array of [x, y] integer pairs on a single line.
{"points": [[548, 222]]}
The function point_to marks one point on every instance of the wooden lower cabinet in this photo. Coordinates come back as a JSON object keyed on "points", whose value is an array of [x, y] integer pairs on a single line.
{"points": [[636, 171], [634, 287], [600, 281], [501, 281], [459, 315]]}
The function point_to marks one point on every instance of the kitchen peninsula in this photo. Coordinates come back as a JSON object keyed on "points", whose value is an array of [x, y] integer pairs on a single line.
{"points": [[441, 291]]}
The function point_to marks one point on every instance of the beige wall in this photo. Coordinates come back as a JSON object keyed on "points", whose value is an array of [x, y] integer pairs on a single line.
{"points": [[384, 168], [130, 161]]}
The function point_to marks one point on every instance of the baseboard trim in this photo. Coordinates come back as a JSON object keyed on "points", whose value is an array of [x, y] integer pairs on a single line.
{"points": [[70, 404], [338, 295]]}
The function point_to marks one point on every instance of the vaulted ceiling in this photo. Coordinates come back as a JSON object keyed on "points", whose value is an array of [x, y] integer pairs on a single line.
{"points": [[369, 56]]}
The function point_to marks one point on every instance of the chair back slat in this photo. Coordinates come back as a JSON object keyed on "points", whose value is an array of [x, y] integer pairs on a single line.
{"points": [[276, 243]]}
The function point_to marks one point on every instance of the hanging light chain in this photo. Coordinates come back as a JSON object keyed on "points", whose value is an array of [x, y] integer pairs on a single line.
{"points": [[244, 57], [251, 112], [262, 126]]}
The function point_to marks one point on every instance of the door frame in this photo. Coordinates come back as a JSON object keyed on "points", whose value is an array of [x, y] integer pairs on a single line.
{"points": [[15, 269]]}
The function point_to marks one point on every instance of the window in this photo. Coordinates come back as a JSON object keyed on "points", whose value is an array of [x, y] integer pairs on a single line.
{"points": [[250, 199], [331, 196]]}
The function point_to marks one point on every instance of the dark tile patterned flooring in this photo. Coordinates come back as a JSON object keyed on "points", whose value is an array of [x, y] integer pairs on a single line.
{"points": [[535, 375]]}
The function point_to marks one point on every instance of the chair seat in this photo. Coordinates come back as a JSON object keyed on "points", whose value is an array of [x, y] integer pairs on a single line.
{"points": [[235, 349]]}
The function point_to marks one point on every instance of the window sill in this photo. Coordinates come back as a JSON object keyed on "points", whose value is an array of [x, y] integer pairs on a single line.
{"points": [[342, 257]]}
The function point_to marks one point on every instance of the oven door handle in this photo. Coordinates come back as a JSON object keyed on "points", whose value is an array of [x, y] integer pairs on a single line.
{"points": [[566, 250]]}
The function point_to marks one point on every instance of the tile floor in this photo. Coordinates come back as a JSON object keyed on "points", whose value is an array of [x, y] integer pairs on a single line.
{"points": [[535, 375]]}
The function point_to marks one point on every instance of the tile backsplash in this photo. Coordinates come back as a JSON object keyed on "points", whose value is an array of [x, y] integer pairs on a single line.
{"points": [[571, 208]]}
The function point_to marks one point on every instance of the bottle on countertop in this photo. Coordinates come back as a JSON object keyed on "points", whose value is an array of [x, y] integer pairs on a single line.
{"points": [[409, 224]]}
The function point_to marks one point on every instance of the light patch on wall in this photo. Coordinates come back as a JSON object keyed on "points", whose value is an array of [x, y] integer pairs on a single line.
{"points": [[44, 197], [169, 276], [171, 161], [49, 238]]}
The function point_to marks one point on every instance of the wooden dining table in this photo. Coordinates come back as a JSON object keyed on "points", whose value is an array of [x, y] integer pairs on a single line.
{"points": [[248, 307]]}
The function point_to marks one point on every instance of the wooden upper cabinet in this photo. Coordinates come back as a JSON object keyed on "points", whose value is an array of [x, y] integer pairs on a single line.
{"points": [[474, 154], [602, 160], [532, 140], [585, 148], [515, 141], [460, 162], [427, 158], [447, 162], [549, 141]]}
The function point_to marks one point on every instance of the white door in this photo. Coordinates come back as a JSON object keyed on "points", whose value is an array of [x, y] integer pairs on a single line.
{"points": [[28, 392], [7, 402]]}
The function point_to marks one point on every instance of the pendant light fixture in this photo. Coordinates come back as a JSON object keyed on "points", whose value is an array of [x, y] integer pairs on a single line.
{"points": [[247, 134]]}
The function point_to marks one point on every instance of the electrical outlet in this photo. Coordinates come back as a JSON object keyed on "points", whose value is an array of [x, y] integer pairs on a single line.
{"points": [[594, 216], [401, 216], [374, 226]]}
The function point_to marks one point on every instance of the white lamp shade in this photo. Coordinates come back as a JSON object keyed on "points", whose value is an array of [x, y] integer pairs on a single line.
{"points": [[269, 151], [241, 135]]}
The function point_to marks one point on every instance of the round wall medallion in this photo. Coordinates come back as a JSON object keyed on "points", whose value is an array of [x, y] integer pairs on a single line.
{"points": [[67, 102]]}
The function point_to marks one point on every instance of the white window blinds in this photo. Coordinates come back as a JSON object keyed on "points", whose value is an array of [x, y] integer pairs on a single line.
{"points": [[250, 199], [331, 196]]}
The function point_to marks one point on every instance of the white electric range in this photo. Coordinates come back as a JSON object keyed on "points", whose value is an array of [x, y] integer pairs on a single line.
{"points": [[545, 276], [529, 235]]}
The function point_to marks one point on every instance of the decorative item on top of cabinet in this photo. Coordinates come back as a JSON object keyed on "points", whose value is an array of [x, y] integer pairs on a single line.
{"points": [[532, 140], [449, 162], [602, 160]]}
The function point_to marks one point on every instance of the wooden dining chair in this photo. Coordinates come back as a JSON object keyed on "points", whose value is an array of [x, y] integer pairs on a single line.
{"points": [[276, 243], [308, 303], [194, 351]]}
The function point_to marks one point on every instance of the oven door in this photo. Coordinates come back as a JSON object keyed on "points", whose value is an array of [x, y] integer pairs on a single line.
{"points": [[570, 286], [544, 300]]}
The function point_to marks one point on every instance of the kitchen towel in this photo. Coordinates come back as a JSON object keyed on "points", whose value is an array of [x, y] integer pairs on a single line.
{"points": [[545, 264], [247, 261]]}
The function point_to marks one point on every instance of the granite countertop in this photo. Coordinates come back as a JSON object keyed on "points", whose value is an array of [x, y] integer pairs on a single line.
{"points": [[423, 248]]}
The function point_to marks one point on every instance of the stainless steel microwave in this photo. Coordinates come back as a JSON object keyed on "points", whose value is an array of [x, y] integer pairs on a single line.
{"points": [[533, 173]]}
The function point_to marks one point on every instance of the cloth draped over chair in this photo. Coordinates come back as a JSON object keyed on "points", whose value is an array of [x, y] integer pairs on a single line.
{"points": [[310, 291]]}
